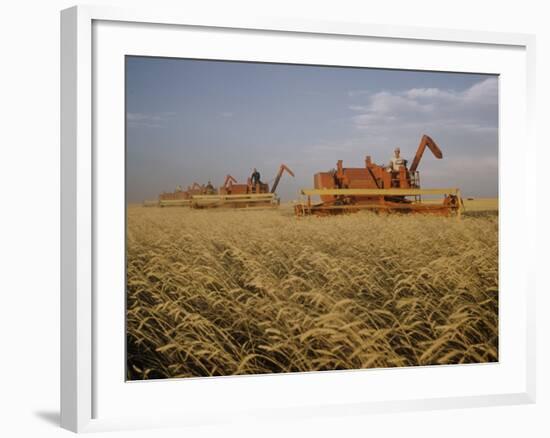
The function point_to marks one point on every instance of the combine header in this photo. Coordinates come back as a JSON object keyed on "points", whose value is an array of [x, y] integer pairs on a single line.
{"points": [[234, 195], [389, 188]]}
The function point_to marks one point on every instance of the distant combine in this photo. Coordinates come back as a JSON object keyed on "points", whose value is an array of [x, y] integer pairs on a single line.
{"points": [[177, 198], [252, 194]]}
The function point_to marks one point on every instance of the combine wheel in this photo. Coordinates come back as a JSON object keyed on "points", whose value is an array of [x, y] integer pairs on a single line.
{"points": [[299, 210], [452, 201]]}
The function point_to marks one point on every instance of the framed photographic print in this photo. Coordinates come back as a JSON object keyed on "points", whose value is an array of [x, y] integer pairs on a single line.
{"points": [[290, 218]]}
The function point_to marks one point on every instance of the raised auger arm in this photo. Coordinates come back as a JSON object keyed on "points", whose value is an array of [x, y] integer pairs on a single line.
{"points": [[229, 180], [278, 177], [426, 140]]}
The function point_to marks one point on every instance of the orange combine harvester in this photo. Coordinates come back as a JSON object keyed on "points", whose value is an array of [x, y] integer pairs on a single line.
{"points": [[381, 188], [179, 197], [247, 195]]}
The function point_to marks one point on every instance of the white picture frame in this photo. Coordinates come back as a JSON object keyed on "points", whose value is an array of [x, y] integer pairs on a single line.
{"points": [[84, 371]]}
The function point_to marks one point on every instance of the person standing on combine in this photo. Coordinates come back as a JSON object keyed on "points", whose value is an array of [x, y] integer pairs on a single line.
{"points": [[255, 178], [210, 189], [396, 161]]}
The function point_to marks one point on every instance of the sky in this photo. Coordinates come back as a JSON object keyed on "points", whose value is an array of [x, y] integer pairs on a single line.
{"points": [[199, 120]]}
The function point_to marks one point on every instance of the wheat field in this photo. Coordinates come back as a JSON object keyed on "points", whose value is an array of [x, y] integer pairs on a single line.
{"points": [[226, 292]]}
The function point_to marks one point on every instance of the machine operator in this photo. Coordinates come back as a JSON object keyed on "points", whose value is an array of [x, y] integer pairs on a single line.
{"points": [[396, 161], [210, 189], [255, 177]]}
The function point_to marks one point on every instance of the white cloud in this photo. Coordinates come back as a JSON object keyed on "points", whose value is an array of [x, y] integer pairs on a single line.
{"points": [[483, 91], [430, 93], [473, 109]]}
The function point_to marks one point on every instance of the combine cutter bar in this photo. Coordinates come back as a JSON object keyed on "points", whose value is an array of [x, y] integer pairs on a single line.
{"points": [[381, 200], [232, 197], [175, 203], [150, 203], [373, 206], [262, 200]]}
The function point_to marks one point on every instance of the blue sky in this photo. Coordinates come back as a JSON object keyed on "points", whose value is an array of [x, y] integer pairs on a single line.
{"points": [[194, 120]]}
